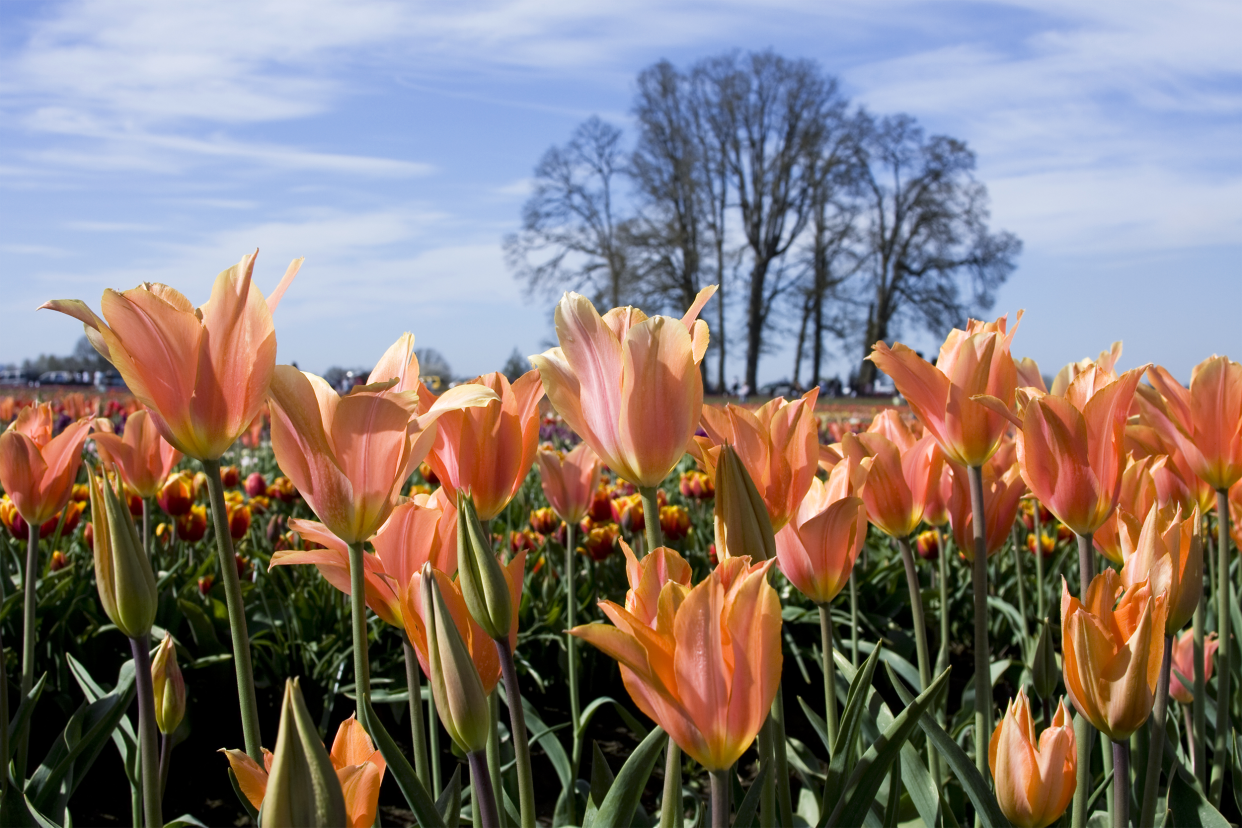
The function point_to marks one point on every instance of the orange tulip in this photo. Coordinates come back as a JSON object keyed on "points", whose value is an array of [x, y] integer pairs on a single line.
{"points": [[628, 384], [359, 768], [709, 669], [1035, 781], [1184, 664], [898, 482], [647, 578], [1205, 421], [488, 450], [349, 456], [1136, 497], [203, 373], [1235, 509], [1105, 363], [777, 443], [144, 457], [1111, 655], [817, 549], [38, 470], [972, 362], [1167, 552], [569, 481], [1002, 494]]}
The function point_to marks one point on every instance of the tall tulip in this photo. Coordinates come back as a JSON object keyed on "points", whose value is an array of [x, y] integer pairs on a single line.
{"points": [[1184, 665], [629, 385], [1002, 494], [143, 456], [1136, 496], [1035, 780]]}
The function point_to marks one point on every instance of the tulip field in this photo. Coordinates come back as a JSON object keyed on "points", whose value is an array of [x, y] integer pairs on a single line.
{"points": [[587, 596]]}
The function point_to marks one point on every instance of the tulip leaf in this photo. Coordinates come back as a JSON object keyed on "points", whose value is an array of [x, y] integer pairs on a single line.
{"points": [[963, 767], [601, 783], [449, 802], [749, 807], [626, 716], [1188, 804], [124, 737], [22, 715], [892, 806], [817, 724], [851, 724], [416, 795], [915, 778], [622, 799], [869, 771], [541, 734]]}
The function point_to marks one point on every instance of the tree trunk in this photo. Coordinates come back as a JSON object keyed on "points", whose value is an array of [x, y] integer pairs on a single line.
{"points": [[806, 313], [754, 323], [720, 315], [817, 345]]}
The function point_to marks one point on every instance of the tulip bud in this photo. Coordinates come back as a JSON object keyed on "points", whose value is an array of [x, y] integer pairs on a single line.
{"points": [[169, 687], [928, 545], [255, 484], [192, 526], [122, 571], [59, 561], [674, 522], [455, 682], [198, 484], [1044, 669], [176, 495], [229, 476], [742, 523], [483, 584], [239, 521], [544, 521], [303, 787]]}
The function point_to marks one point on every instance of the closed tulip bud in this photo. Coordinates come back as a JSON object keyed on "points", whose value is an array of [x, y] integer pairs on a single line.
{"points": [[928, 545], [255, 484], [122, 571], [59, 561], [1034, 781], [483, 584], [302, 788], [169, 687], [455, 682], [674, 522], [1044, 670], [176, 496], [229, 476], [628, 513], [742, 523], [544, 521], [192, 526], [239, 521]]}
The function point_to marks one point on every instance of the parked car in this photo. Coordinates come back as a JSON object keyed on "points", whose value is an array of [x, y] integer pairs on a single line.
{"points": [[12, 376]]}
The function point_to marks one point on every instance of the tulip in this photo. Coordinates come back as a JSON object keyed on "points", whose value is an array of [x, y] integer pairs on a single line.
{"points": [[743, 527], [1034, 781], [302, 787], [37, 470], [122, 573], [1112, 655], [176, 496], [1002, 492], [1182, 680], [778, 445], [1104, 363], [674, 522], [282, 489], [898, 482], [647, 577], [569, 481], [484, 584], [20, 530], [255, 484], [144, 457], [1166, 551], [58, 561], [229, 476], [1205, 421], [544, 520], [599, 541], [239, 521], [202, 373], [696, 485], [708, 672], [487, 450], [1136, 497], [627, 384], [169, 687], [627, 512], [192, 526], [927, 544]]}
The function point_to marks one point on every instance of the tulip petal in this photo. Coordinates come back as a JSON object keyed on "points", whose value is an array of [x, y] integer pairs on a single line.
{"points": [[250, 777]]}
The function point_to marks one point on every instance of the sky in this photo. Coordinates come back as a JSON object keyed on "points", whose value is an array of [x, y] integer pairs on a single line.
{"points": [[392, 144]]}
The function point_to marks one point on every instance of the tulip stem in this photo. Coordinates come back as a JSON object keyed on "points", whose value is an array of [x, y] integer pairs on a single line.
{"points": [[484, 796], [433, 741], [237, 613], [1084, 733], [493, 756], [720, 798], [983, 654], [521, 743], [1155, 750], [1017, 563], [146, 527], [141, 648], [670, 805], [942, 657], [767, 794], [853, 619], [30, 600], [358, 614], [1121, 783], [1041, 602], [780, 764], [651, 517], [4, 717], [413, 684], [920, 639], [1223, 700], [830, 672], [1199, 730], [571, 648], [166, 749]]}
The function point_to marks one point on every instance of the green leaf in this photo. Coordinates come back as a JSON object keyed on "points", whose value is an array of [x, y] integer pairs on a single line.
{"points": [[748, 811], [893, 805], [449, 802], [185, 821], [619, 805], [590, 710], [201, 627], [416, 795], [23, 713], [968, 776], [1189, 806], [541, 734], [601, 783], [817, 724], [851, 724]]}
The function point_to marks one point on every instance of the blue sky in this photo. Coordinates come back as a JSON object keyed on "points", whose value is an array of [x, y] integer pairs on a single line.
{"points": [[391, 143]]}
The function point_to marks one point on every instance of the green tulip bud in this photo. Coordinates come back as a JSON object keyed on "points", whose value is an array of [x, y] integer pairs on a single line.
{"points": [[303, 788], [1044, 670], [169, 687], [742, 523], [122, 572], [455, 682], [483, 583]]}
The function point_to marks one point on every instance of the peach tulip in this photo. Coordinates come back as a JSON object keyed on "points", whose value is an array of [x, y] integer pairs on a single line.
{"points": [[1035, 780], [1235, 510], [647, 578], [1167, 552], [1002, 494], [38, 470], [1205, 421], [709, 670], [1112, 652], [1184, 664], [1105, 363], [487, 450], [1176, 480], [778, 444], [972, 362], [628, 384], [569, 480], [202, 373], [1136, 497], [816, 550], [144, 457], [898, 482]]}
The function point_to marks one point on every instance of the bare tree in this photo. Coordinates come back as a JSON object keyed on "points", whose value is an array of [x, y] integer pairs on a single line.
{"points": [[571, 237], [931, 256]]}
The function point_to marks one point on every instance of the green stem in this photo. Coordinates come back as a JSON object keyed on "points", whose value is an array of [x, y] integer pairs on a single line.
{"points": [[1223, 698], [4, 717], [30, 601], [983, 653], [146, 527], [670, 804], [571, 647], [521, 743], [237, 613], [853, 619], [1121, 784], [1155, 750], [830, 672], [1040, 601], [1106, 759], [433, 741], [141, 648], [942, 658], [358, 617], [493, 757], [1017, 563], [413, 684], [166, 749], [1084, 733], [651, 517], [720, 799], [767, 795], [484, 798], [784, 798], [920, 638], [1198, 708]]}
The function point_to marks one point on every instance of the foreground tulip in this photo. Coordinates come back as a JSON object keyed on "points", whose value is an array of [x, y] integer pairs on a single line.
{"points": [[1035, 780], [38, 470], [168, 686], [897, 483], [778, 444], [708, 672], [1182, 682], [303, 788], [202, 373], [743, 527], [1205, 421], [628, 384], [144, 457], [1166, 551]]}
